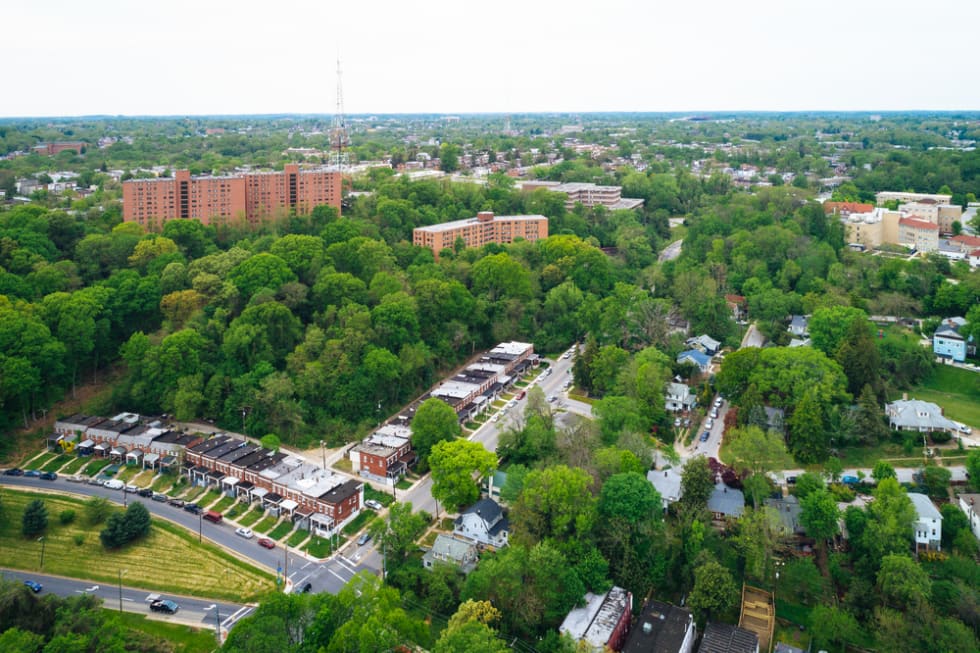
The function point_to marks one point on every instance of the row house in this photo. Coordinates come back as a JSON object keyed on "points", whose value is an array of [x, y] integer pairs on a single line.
{"points": [[125, 438], [385, 454]]}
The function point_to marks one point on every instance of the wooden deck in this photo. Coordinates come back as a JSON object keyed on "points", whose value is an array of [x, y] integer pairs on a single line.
{"points": [[758, 615]]}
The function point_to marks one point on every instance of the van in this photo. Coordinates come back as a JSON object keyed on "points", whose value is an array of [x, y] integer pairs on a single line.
{"points": [[213, 516]]}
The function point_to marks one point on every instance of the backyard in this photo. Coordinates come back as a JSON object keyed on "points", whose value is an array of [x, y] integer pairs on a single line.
{"points": [[956, 390]]}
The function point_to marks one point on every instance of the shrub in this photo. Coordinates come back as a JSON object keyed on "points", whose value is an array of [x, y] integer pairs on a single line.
{"points": [[35, 520], [79, 539], [66, 517], [841, 492], [940, 437]]}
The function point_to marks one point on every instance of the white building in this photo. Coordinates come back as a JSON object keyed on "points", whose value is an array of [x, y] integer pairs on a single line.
{"points": [[970, 504], [928, 523]]}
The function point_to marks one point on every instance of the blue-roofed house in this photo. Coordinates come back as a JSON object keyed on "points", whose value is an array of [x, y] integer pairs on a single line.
{"points": [[726, 502], [702, 360]]}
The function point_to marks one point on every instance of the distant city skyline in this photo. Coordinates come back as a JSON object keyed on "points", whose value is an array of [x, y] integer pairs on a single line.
{"points": [[111, 57]]}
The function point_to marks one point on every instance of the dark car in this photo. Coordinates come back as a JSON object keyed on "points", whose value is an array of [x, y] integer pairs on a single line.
{"points": [[305, 589], [266, 543], [165, 605], [157, 496], [176, 502], [145, 492], [34, 585], [705, 436], [49, 476], [13, 471], [193, 508], [32, 473]]}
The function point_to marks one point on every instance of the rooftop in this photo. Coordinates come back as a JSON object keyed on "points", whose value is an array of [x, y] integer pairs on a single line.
{"points": [[924, 507], [918, 224], [661, 628], [457, 224], [725, 638], [596, 621]]}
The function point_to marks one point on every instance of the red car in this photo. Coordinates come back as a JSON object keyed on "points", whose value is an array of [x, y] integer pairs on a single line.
{"points": [[266, 542]]}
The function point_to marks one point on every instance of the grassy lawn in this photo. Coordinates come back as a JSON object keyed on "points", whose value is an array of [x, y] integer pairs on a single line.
{"points": [[75, 465], [573, 393], [320, 547], [358, 522], [193, 493], [297, 537], [868, 456], [184, 638], [169, 559], [223, 504], [344, 465], [250, 517], [281, 530], [128, 473], [96, 466], [383, 498], [38, 461], [956, 390], [429, 539], [790, 633], [402, 484], [266, 524], [56, 463], [209, 498], [163, 483], [143, 478]]}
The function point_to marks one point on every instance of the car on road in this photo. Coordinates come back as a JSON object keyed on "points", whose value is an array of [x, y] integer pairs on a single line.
{"points": [[714, 414], [790, 480], [145, 492], [705, 436], [193, 508], [114, 484], [179, 503], [849, 480], [363, 539], [34, 585], [75, 478], [32, 473], [306, 588], [96, 480], [159, 496], [49, 476], [687, 422], [718, 402], [552, 399], [495, 418], [372, 503], [677, 422], [266, 543], [244, 532], [963, 428], [13, 471], [132, 489], [709, 423], [165, 605]]}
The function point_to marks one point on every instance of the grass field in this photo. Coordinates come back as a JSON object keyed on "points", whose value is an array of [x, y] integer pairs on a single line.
{"points": [[210, 497], [169, 559], [40, 460], [956, 390], [163, 483], [56, 463], [184, 638], [75, 465], [297, 537], [320, 547], [96, 466], [266, 524], [250, 517], [359, 522], [223, 504], [193, 494], [128, 473], [281, 530]]}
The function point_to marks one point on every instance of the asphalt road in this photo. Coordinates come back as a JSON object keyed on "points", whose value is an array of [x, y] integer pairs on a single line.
{"points": [[329, 576], [202, 613]]}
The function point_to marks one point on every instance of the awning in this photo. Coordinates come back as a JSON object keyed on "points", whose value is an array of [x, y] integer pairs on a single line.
{"points": [[324, 520], [102, 446], [118, 451], [87, 444], [151, 458], [288, 505], [135, 453], [259, 492], [230, 481]]}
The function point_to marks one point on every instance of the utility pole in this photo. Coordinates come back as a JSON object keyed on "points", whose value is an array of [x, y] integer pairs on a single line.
{"points": [[285, 568], [200, 528], [323, 448]]}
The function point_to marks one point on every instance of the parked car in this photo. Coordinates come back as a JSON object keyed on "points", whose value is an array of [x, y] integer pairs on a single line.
{"points": [[13, 471], [790, 480], [34, 585], [363, 539], [709, 423], [49, 476], [32, 473], [132, 489], [705, 436], [193, 508], [714, 414], [96, 480], [304, 589], [847, 479], [165, 605], [266, 543], [75, 478], [176, 502], [114, 484], [145, 492], [213, 516], [244, 532], [373, 503], [718, 402], [687, 422], [677, 422], [158, 496]]}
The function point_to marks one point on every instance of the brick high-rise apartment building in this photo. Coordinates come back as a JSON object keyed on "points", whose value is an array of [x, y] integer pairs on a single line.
{"points": [[249, 197], [484, 228]]}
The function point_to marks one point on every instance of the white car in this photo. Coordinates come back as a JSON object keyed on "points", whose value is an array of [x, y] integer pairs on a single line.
{"points": [[114, 484], [709, 423], [496, 418], [372, 503], [718, 401], [244, 532]]}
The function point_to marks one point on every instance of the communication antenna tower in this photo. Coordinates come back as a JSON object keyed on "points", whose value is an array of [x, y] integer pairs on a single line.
{"points": [[339, 136]]}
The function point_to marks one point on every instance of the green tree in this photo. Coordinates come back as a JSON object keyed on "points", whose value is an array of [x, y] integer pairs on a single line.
{"points": [[833, 629], [714, 591], [434, 421], [973, 468], [697, 483], [556, 503], [936, 479], [869, 423], [271, 441], [471, 637], [903, 583], [454, 465], [35, 518], [829, 327], [399, 532], [808, 436], [97, 510], [882, 470], [15, 640], [820, 516], [889, 524]]}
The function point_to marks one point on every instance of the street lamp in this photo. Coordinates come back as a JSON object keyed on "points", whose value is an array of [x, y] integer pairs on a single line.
{"points": [[323, 448], [217, 619], [41, 540], [200, 527], [121, 572]]}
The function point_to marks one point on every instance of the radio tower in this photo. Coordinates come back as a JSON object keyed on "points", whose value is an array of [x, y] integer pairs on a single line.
{"points": [[339, 137]]}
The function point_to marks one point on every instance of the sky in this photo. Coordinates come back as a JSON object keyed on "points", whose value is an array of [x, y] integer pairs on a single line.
{"points": [[196, 57]]}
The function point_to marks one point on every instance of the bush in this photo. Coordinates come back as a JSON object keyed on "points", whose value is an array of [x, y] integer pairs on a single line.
{"points": [[79, 539], [35, 520], [123, 528], [841, 492], [66, 517], [940, 437]]}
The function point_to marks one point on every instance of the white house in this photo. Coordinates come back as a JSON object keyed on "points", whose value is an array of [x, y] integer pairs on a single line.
{"points": [[483, 523], [678, 397], [452, 551], [928, 523], [668, 485], [970, 504], [799, 325], [916, 415]]}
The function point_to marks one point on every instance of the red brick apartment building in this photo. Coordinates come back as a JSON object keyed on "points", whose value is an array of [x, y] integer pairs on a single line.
{"points": [[50, 149], [484, 228], [249, 197]]}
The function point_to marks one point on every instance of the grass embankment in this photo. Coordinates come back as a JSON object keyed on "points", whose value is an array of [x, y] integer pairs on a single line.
{"points": [[281, 530], [363, 519], [956, 390], [297, 538], [57, 463], [75, 465], [184, 638], [170, 559], [250, 517], [265, 525]]}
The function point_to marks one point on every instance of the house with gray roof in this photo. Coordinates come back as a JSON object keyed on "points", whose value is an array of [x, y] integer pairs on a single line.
{"points": [[667, 482], [695, 357], [483, 523], [725, 638], [799, 325], [601, 624], [788, 509], [726, 502], [917, 415], [705, 344], [970, 504], [928, 523], [451, 551], [679, 397], [662, 628]]}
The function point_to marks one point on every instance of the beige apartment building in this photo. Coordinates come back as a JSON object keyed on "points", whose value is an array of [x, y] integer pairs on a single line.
{"points": [[925, 206], [587, 194], [904, 198], [484, 228], [919, 234]]}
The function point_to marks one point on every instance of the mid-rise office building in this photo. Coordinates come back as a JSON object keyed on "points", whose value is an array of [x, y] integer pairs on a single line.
{"points": [[483, 229], [247, 197]]}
